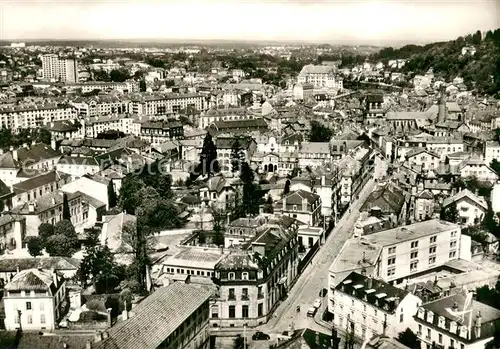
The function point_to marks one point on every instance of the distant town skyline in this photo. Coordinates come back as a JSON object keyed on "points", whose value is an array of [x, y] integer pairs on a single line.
{"points": [[339, 22]]}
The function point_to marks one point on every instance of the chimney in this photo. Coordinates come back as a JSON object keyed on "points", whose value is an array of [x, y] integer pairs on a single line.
{"points": [[455, 307], [105, 335], [65, 346], [125, 313], [88, 345], [98, 336], [317, 339], [369, 282], [54, 276], [442, 105], [477, 325], [53, 143], [14, 154], [109, 317], [323, 181]]}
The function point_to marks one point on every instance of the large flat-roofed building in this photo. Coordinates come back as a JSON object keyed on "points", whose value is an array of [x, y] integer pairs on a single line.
{"points": [[175, 316], [59, 69], [193, 261], [404, 252]]}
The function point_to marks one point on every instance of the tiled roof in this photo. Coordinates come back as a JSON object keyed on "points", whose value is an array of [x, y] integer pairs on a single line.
{"points": [[4, 189], [378, 293], [73, 340], [407, 115], [389, 199], [58, 263], [28, 155], [156, 318], [296, 197], [40, 180], [466, 193], [32, 280], [490, 317]]}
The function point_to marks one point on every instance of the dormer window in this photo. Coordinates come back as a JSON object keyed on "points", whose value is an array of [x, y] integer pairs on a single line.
{"points": [[244, 276], [231, 276]]}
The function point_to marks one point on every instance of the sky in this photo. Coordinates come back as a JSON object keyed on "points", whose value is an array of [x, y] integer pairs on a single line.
{"points": [[323, 21]]}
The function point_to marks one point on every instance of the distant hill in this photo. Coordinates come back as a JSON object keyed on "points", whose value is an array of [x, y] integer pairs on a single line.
{"points": [[482, 70]]}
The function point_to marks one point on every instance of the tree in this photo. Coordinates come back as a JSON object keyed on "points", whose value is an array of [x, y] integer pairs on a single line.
{"points": [[64, 241], [118, 75], [140, 244], [286, 190], [35, 246], [237, 155], [45, 230], [66, 215], [239, 342], [409, 338], [268, 208], [100, 269], [252, 193], [319, 132], [129, 199], [111, 195], [220, 217], [142, 86], [495, 165], [450, 213], [208, 159]]}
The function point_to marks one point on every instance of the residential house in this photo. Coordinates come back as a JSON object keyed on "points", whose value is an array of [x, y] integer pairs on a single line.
{"points": [[471, 208], [388, 201], [456, 321], [33, 300], [367, 307], [423, 158], [38, 186], [302, 205], [253, 279]]}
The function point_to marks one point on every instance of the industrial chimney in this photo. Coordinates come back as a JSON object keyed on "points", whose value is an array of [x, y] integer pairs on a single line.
{"points": [[442, 105]]}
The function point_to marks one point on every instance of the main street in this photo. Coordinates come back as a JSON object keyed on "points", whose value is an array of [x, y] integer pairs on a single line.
{"points": [[315, 276]]}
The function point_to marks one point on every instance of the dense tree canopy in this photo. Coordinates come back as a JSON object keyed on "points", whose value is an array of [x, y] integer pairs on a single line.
{"points": [[319, 132]]}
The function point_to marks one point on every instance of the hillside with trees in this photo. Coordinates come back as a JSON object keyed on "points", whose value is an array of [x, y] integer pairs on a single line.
{"points": [[480, 71]]}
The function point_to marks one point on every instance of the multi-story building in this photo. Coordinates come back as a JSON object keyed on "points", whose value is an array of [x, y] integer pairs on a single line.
{"points": [[477, 168], [224, 146], [33, 116], [13, 227], [239, 127], [124, 87], [57, 68], [126, 123], [223, 114], [253, 279], [37, 186], [175, 316], [457, 322], [157, 132], [33, 300], [491, 151], [319, 76], [374, 106], [167, 104], [16, 165], [367, 307], [95, 106], [400, 253], [301, 205]]}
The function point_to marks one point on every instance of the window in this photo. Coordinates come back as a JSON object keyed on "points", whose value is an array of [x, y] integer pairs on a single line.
{"points": [[364, 307], [452, 254], [453, 234], [432, 260], [42, 318], [231, 276], [414, 255], [452, 343], [244, 311], [231, 293], [413, 266], [419, 329], [401, 317], [391, 271], [232, 311], [28, 305], [30, 319], [440, 338], [433, 239], [462, 346], [432, 249], [260, 309], [259, 292], [244, 293], [244, 276], [414, 244], [392, 250], [391, 261], [453, 244], [429, 333]]}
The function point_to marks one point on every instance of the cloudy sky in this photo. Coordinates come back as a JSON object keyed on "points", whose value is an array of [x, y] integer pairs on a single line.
{"points": [[333, 21]]}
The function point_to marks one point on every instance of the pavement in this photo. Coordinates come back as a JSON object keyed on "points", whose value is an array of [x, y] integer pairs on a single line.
{"points": [[315, 276]]}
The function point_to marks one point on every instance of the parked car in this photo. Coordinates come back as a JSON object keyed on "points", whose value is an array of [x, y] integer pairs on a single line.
{"points": [[317, 303], [311, 311], [260, 336]]}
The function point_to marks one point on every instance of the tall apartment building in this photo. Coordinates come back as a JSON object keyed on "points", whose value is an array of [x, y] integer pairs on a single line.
{"points": [[320, 76], [59, 68], [33, 116]]}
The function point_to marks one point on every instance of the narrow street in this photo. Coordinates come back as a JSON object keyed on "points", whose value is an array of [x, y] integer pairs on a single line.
{"points": [[315, 277]]}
